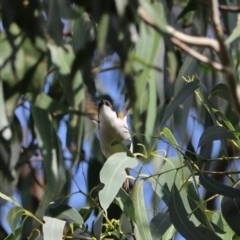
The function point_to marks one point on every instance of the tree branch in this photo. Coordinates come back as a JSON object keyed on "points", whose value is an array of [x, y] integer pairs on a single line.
{"points": [[225, 58], [234, 9]]}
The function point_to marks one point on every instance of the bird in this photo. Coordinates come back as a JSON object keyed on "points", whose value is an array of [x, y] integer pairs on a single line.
{"points": [[111, 126]]}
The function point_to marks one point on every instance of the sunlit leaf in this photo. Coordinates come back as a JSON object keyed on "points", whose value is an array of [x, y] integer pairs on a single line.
{"points": [[140, 212], [103, 29], [53, 228], [13, 217], [113, 175]]}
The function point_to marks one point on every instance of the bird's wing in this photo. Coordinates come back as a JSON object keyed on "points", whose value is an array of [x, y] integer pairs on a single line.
{"points": [[91, 109], [125, 110]]}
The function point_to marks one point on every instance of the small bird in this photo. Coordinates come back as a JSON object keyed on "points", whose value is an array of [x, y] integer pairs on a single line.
{"points": [[112, 126]]}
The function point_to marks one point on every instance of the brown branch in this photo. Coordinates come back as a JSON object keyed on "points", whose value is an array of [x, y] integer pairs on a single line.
{"points": [[234, 9], [197, 55], [225, 58], [194, 41]]}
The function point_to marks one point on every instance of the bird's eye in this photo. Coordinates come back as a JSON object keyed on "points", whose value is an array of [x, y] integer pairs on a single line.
{"points": [[107, 103]]}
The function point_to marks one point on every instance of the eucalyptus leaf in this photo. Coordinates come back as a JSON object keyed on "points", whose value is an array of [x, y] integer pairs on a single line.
{"points": [[140, 212], [215, 133], [159, 224], [216, 187], [113, 175], [53, 228]]}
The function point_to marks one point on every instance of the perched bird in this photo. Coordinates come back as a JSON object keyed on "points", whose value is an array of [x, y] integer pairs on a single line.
{"points": [[112, 126]]}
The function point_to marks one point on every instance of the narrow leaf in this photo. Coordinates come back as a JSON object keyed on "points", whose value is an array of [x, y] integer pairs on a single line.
{"points": [[13, 217], [124, 201], [221, 90], [97, 227], [140, 212], [216, 187], [179, 216], [159, 225], [231, 212], [182, 95], [215, 133]]}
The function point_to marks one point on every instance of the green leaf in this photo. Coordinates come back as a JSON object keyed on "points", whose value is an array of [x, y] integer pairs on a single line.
{"points": [[97, 226], [113, 175], [191, 6], [140, 212], [50, 146], [198, 211], [85, 212], [124, 201], [168, 134], [120, 6], [215, 133], [55, 26], [17, 232], [10, 199], [13, 217], [221, 90], [102, 32], [53, 228], [231, 212], [4, 125], [182, 95], [65, 212], [234, 35], [179, 216], [159, 224], [216, 187], [151, 110]]}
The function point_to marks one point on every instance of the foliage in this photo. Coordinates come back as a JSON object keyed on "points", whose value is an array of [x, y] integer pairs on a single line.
{"points": [[177, 63]]}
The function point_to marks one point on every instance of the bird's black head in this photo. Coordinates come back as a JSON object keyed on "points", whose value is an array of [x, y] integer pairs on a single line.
{"points": [[104, 102]]}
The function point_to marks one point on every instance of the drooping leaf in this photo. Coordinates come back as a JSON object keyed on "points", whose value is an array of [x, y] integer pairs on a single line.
{"points": [[125, 203], [52, 157], [53, 228], [231, 211], [97, 227], [182, 95], [103, 29], [198, 210], [215, 133], [13, 217], [85, 212], [159, 224], [216, 187], [179, 216], [221, 90], [140, 212], [113, 175], [66, 212]]}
